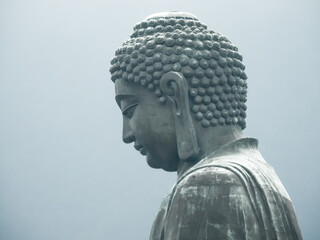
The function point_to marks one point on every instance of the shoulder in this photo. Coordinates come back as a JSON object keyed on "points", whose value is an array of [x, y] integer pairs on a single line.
{"points": [[209, 176], [214, 199], [209, 184]]}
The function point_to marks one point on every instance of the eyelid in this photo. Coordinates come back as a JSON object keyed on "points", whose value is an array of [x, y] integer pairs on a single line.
{"points": [[127, 109]]}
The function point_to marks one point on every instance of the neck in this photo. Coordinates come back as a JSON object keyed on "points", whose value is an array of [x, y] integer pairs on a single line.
{"points": [[211, 140]]}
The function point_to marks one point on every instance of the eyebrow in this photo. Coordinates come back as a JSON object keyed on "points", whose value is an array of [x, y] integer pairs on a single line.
{"points": [[132, 99]]}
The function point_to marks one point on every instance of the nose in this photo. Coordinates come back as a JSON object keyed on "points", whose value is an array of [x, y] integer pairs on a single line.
{"points": [[127, 133]]}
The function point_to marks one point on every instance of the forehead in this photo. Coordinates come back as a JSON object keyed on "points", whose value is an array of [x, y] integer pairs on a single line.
{"points": [[126, 90]]}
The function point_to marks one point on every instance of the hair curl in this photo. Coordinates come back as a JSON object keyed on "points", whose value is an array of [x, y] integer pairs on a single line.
{"points": [[208, 60]]}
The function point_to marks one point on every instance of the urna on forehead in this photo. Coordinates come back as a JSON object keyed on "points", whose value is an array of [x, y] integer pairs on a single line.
{"points": [[210, 63]]}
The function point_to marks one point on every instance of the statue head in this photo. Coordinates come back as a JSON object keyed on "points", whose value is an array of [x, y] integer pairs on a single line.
{"points": [[184, 82]]}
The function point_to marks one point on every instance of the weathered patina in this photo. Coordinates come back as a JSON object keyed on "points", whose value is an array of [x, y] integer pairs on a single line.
{"points": [[182, 91]]}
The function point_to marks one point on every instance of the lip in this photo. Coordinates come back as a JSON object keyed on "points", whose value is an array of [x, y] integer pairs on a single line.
{"points": [[140, 148]]}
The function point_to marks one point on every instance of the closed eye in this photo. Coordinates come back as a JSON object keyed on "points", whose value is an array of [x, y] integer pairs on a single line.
{"points": [[128, 111]]}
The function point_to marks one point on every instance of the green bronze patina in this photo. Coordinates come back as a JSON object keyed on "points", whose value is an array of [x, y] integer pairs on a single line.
{"points": [[182, 91]]}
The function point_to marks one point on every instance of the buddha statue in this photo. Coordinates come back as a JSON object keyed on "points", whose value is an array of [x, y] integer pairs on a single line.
{"points": [[182, 90]]}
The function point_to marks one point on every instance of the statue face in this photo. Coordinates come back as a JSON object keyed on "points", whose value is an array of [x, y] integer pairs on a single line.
{"points": [[148, 124]]}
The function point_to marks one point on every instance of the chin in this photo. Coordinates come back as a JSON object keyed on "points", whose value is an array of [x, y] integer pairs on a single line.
{"points": [[172, 167], [152, 163]]}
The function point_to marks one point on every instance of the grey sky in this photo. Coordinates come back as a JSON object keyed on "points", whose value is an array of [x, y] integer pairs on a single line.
{"points": [[64, 171]]}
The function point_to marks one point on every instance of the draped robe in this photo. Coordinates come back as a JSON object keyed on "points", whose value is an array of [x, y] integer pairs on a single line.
{"points": [[231, 194]]}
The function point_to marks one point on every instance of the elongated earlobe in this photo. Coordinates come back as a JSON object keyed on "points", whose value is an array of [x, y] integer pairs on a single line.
{"points": [[175, 87]]}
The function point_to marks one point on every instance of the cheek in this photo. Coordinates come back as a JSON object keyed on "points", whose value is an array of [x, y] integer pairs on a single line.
{"points": [[154, 129], [147, 129]]}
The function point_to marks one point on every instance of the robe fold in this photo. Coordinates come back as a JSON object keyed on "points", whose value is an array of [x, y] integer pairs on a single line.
{"points": [[231, 194]]}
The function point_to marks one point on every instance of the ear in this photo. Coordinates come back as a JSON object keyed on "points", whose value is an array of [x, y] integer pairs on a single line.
{"points": [[175, 87]]}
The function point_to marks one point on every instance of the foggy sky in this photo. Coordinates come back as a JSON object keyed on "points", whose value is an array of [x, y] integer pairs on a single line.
{"points": [[65, 172]]}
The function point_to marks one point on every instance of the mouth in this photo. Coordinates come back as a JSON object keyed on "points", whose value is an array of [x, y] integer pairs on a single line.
{"points": [[140, 148]]}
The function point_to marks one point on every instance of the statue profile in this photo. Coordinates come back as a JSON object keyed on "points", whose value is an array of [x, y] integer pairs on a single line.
{"points": [[182, 90]]}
